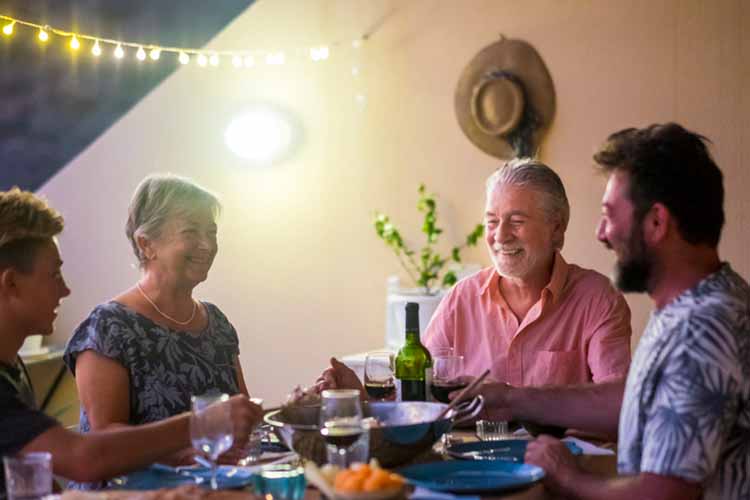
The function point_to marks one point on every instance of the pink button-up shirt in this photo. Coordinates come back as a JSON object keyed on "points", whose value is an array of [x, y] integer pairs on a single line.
{"points": [[578, 331]]}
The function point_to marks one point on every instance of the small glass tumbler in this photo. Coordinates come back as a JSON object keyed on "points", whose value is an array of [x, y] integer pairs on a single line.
{"points": [[28, 475], [254, 447], [280, 482], [492, 430]]}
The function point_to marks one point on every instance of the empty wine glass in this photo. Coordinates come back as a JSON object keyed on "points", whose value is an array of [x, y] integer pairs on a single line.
{"points": [[341, 421], [211, 428], [379, 378]]}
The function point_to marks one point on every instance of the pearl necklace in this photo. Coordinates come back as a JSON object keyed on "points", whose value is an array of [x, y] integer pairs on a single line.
{"points": [[170, 318]]}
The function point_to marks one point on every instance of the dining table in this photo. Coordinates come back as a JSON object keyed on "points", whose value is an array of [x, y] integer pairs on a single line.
{"points": [[600, 464]]}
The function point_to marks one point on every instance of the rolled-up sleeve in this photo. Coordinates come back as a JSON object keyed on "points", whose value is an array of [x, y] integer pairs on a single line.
{"points": [[609, 344]]}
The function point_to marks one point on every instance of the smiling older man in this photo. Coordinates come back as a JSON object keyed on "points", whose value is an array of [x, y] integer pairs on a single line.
{"points": [[532, 318]]}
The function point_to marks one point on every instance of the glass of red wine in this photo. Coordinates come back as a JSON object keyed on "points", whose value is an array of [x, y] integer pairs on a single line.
{"points": [[447, 376], [340, 423], [379, 375]]}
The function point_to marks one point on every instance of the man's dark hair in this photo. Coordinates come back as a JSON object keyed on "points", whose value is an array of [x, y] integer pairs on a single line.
{"points": [[670, 165]]}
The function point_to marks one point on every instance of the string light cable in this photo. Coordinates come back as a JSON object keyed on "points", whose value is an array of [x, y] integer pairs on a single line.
{"points": [[153, 52]]}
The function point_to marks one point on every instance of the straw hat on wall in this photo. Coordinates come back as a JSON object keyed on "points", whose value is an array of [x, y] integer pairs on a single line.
{"points": [[505, 99]]}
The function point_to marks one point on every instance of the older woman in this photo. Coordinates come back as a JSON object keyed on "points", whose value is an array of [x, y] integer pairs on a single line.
{"points": [[139, 357]]}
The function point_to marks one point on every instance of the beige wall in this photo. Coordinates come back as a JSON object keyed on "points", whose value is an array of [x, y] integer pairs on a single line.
{"points": [[300, 272]]}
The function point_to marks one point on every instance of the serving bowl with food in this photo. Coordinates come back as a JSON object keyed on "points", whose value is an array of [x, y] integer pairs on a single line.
{"points": [[399, 431]]}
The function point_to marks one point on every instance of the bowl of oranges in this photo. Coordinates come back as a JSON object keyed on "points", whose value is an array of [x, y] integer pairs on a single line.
{"points": [[358, 482]]}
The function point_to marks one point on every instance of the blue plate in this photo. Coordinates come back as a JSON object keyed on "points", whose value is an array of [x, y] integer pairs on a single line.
{"points": [[508, 450], [164, 476], [461, 476]]}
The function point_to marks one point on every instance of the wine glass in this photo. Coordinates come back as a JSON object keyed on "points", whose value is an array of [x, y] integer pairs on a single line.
{"points": [[379, 378], [341, 421], [211, 428], [447, 376]]}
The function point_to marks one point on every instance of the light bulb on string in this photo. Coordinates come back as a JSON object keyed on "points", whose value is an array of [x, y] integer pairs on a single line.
{"points": [[202, 60], [213, 60], [74, 43], [183, 58], [154, 54], [119, 52], [249, 61], [43, 35], [237, 61], [8, 28], [96, 49], [141, 54]]}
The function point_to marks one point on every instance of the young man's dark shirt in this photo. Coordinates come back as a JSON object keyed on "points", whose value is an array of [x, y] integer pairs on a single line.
{"points": [[20, 421]]}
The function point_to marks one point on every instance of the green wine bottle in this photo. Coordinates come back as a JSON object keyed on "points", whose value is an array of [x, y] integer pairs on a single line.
{"points": [[413, 362]]}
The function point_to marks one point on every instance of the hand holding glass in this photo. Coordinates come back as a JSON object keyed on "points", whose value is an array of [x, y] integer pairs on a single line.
{"points": [[379, 379], [211, 428]]}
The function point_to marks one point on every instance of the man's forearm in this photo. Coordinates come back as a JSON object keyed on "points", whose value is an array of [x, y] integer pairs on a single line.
{"points": [[583, 486], [592, 407]]}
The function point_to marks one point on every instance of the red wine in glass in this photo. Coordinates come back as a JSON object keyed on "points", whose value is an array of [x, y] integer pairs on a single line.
{"points": [[341, 436], [441, 390], [381, 390]]}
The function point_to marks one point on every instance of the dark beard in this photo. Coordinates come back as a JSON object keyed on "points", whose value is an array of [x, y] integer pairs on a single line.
{"points": [[634, 274]]}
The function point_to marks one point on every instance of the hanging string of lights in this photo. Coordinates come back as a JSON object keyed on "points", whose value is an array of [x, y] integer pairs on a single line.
{"points": [[119, 49]]}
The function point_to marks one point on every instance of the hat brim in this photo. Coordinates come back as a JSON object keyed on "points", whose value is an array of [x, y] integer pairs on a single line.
{"points": [[522, 60]]}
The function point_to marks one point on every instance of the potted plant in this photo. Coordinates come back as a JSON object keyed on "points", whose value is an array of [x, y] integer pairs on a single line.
{"points": [[426, 268]]}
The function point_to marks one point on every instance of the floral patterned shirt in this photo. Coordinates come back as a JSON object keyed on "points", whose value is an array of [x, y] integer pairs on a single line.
{"points": [[165, 367], [686, 409]]}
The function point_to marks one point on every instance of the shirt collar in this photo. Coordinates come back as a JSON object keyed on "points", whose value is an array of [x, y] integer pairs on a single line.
{"points": [[556, 283]]}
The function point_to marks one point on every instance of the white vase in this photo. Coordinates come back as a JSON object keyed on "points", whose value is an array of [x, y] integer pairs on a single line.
{"points": [[395, 311]]}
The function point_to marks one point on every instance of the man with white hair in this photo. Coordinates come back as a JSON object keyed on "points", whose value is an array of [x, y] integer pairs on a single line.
{"points": [[532, 319]]}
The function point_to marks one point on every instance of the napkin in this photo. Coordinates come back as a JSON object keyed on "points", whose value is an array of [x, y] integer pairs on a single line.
{"points": [[425, 494], [588, 448]]}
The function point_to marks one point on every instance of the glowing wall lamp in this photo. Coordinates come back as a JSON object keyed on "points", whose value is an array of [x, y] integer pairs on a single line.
{"points": [[262, 135]]}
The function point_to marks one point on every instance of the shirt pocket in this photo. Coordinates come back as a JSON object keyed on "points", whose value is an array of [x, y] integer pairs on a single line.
{"points": [[557, 367]]}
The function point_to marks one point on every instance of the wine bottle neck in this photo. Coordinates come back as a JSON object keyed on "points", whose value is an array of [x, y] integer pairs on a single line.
{"points": [[412, 337]]}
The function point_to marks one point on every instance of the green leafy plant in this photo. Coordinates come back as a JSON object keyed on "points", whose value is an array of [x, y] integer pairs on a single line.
{"points": [[424, 269]]}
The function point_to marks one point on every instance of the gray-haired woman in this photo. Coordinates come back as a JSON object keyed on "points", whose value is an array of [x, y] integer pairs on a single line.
{"points": [[139, 357]]}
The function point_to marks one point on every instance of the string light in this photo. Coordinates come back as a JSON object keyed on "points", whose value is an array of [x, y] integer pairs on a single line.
{"points": [[239, 58]]}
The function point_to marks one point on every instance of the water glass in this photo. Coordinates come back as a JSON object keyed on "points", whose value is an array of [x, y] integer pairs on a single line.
{"points": [[28, 475], [492, 430], [280, 482], [254, 448], [211, 428]]}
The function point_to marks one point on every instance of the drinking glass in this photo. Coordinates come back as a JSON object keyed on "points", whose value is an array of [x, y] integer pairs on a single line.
{"points": [[447, 376], [379, 379], [341, 421], [280, 482], [28, 475], [211, 428]]}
